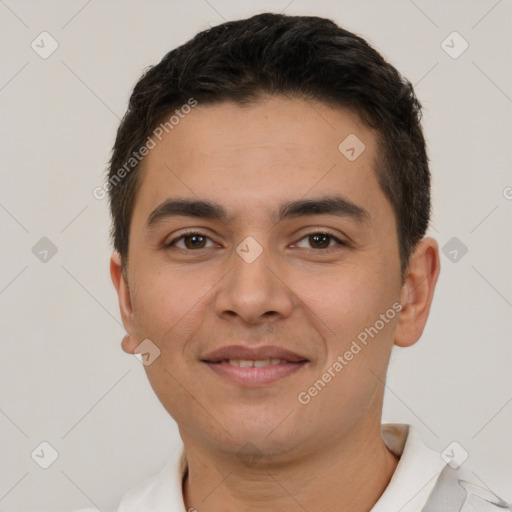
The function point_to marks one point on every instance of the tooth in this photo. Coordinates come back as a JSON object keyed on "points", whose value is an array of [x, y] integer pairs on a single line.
{"points": [[262, 362]]}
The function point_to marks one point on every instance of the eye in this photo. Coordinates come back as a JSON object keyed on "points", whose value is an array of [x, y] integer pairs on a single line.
{"points": [[322, 240], [192, 240]]}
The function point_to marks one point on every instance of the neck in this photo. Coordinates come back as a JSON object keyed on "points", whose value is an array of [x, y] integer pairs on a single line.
{"points": [[350, 473]]}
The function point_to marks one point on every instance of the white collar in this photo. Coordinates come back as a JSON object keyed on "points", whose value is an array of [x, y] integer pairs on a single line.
{"points": [[415, 474], [408, 490], [160, 493]]}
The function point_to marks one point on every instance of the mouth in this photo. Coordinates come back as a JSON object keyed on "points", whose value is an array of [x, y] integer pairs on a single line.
{"points": [[250, 367]]}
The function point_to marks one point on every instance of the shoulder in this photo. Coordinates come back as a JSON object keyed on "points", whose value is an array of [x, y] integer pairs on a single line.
{"points": [[160, 491], [454, 490]]}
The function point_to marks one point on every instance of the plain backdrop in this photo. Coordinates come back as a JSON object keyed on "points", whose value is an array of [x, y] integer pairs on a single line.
{"points": [[64, 378]]}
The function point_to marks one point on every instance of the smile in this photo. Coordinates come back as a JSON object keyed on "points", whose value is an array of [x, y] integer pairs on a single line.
{"points": [[250, 373]]}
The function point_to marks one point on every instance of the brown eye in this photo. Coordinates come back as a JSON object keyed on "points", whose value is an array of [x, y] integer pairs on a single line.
{"points": [[194, 241], [322, 240], [190, 241]]}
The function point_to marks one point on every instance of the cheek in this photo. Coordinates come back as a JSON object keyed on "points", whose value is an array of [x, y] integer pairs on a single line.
{"points": [[159, 302], [343, 300], [350, 306], [171, 307]]}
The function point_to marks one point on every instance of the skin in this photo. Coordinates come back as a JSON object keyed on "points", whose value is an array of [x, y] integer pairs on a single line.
{"points": [[327, 455]]}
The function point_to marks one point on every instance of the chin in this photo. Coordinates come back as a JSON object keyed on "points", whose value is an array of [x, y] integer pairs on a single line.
{"points": [[265, 435], [250, 447]]}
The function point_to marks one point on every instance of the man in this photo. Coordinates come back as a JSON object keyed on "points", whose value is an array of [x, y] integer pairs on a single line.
{"points": [[270, 193]]}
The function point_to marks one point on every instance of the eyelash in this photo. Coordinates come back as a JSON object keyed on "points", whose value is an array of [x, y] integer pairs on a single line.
{"points": [[198, 233]]}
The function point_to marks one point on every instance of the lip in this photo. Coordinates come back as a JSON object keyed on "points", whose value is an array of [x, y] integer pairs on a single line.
{"points": [[252, 354], [250, 376], [254, 377]]}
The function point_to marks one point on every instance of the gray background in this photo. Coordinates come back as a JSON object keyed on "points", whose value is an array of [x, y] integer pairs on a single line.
{"points": [[64, 378]]}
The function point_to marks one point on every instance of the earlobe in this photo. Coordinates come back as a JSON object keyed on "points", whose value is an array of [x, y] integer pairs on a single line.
{"points": [[128, 344], [123, 295], [418, 292]]}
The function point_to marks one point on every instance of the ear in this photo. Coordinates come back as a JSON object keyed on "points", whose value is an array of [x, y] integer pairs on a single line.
{"points": [[129, 343], [417, 292]]}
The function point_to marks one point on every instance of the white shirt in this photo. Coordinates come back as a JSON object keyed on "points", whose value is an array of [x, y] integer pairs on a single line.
{"points": [[408, 490]]}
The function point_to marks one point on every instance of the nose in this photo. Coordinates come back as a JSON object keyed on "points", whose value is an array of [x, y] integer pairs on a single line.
{"points": [[254, 291]]}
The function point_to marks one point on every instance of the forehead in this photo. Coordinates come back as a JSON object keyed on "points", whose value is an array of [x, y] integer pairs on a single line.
{"points": [[252, 157], [291, 125]]}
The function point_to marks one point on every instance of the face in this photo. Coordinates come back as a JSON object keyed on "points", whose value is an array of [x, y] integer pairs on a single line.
{"points": [[294, 255]]}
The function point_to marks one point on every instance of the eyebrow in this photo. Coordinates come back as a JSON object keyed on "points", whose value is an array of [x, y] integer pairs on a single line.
{"points": [[333, 205]]}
